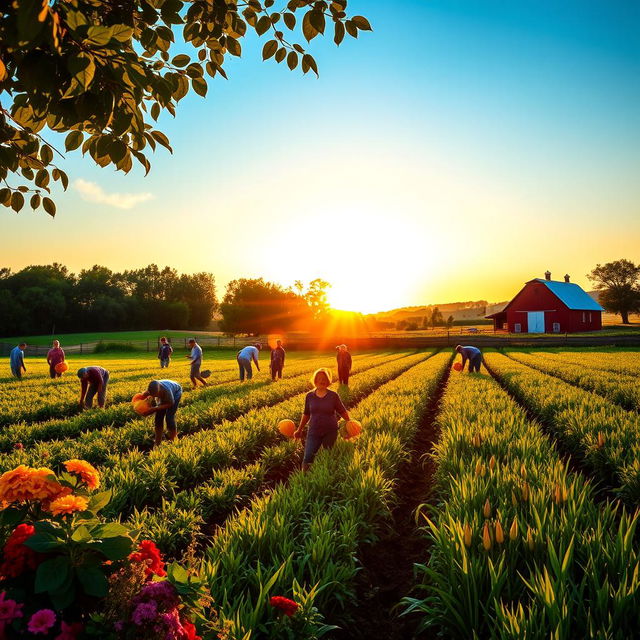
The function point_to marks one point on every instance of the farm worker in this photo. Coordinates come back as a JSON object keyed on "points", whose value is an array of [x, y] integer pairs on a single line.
{"points": [[168, 392], [321, 408], [16, 360], [245, 357], [55, 356], [164, 353], [344, 364], [196, 363], [277, 360], [473, 355], [93, 380]]}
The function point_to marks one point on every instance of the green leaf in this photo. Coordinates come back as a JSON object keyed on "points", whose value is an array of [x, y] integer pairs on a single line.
{"points": [[43, 542], [122, 33], [73, 140], [82, 68], [113, 548], [49, 206], [5, 199], [181, 60], [99, 35], [177, 573], [362, 23], [52, 574], [269, 49], [109, 530], [81, 534], [93, 581], [281, 54], [99, 500]]}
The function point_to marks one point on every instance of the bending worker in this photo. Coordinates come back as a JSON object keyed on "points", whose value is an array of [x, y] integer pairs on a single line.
{"points": [[473, 355], [245, 357], [169, 393], [93, 380]]}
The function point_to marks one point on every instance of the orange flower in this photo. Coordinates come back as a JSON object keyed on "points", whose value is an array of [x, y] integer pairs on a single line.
{"points": [[68, 504], [25, 483], [87, 472]]}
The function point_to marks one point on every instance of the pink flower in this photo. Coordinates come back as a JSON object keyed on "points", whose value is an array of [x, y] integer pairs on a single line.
{"points": [[145, 612], [172, 627], [118, 626], [41, 621], [9, 609], [69, 631]]}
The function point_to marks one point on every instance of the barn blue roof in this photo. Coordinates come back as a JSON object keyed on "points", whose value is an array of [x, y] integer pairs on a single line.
{"points": [[572, 295]]}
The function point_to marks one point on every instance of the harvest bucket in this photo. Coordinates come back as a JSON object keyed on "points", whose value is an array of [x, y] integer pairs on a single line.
{"points": [[457, 366], [61, 367], [286, 428], [352, 429]]}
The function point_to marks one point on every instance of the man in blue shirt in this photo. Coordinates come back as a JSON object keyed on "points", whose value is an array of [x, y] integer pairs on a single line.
{"points": [[168, 393], [473, 355], [16, 360], [196, 362], [164, 353], [245, 357]]}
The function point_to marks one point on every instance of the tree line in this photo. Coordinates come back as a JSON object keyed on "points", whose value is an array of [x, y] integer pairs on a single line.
{"points": [[42, 299]]}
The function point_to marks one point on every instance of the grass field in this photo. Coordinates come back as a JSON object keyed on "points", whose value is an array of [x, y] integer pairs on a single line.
{"points": [[526, 504]]}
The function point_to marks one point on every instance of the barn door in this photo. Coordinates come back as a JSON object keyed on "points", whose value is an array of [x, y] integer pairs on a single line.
{"points": [[535, 321]]}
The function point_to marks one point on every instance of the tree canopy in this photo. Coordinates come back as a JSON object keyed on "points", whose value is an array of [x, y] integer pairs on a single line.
{"points": [[102, 71], [619, 285]]}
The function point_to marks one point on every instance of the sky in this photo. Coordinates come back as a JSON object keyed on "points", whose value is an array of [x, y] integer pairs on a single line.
{"points": [[460, 149]]}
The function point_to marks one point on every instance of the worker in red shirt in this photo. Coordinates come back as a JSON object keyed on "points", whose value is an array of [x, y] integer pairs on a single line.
{"points": [[93, 380], [55, 356]]}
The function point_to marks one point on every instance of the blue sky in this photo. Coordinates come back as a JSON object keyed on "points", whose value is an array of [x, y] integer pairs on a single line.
{"points": [[461, 148]]}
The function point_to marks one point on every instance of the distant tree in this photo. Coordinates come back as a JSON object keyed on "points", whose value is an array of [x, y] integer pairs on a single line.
{"points": [[411, 326], [101, 72], [436, 317], [425, 322], [401, 325], [619, 285], [198, 292], [450, 320], [255, 306], [315, 295]]}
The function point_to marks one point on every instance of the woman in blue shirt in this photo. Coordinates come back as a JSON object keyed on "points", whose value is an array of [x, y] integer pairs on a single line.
{"points": [[322, 406]]}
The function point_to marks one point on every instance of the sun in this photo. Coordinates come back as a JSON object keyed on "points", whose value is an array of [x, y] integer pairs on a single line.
{"points": [[374, 261]]}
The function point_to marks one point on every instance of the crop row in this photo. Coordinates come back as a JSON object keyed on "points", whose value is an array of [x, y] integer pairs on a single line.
{"points": [[138, 480], [59, 398], [603, 434], [619, 388], [519, 548], [118, 414], [625, 362], [302, 539], [107, 443]]}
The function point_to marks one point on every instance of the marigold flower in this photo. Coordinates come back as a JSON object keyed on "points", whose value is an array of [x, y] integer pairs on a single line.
{"points": [[149, 554], [41, 621], [288, 607], [87, 472], [68, 504], [26, 483]]}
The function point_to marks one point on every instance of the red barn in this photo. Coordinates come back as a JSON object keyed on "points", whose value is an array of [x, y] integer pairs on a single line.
{"points": [[549, 306]]}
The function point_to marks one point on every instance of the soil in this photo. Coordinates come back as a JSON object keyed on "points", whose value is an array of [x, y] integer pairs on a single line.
{"points": [[386, 574]]}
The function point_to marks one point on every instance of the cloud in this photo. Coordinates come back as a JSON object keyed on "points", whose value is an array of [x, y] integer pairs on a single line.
{"points": [[92, 192]]}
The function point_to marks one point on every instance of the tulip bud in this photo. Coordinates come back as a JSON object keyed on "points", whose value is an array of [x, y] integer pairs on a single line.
{"points": [[499, 533], [525, 491], [514, 500], [492, 463], [487, 509], [523, 470], [477, 441], [467, 535], [513, 532], [486, 537], [557, 494], [601, 439], [530, 542], [479, 466]]}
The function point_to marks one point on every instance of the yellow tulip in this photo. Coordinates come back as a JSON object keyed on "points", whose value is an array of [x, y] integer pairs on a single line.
{"points": [[467, 535], [487, 509], [499, 533], [525, 491], [492, 463], [530, 542], [479, 466], [486, 537], [523, 471], [601, 439], [513, 532]]}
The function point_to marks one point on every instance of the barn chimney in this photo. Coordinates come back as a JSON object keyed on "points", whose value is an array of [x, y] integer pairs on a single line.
{"points": [[547, 275], [566, 277]]}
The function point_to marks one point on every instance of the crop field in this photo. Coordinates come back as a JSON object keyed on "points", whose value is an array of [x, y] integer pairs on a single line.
{"points": [[523, 517]]}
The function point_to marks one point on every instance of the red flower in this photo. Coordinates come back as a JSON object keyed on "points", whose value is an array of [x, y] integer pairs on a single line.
{"points": [[16, 557], [288, 607], [149, 554], [18, 445], [189, 630]]}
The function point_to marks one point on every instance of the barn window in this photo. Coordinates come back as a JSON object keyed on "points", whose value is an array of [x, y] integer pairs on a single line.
{"points": [[556, 327], [517, 328], [584, 316], [589, 316]]}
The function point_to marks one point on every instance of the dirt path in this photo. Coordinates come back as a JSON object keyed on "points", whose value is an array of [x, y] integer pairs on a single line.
{"points": [[387, 565]]}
